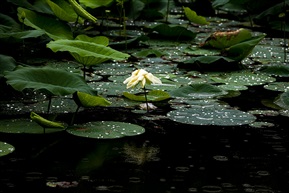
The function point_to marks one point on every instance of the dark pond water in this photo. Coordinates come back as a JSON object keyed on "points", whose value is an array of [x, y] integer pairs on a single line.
{"points": [[170, 157]]}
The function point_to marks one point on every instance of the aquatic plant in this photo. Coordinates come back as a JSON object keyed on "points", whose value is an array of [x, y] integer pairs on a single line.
{"points": [[54, 82], [87, 53], [143, 78], [86, 100]]}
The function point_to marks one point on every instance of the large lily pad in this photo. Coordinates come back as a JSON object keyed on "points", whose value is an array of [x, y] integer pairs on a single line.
{"points": [[246, 78], [198, 91], [276, 70], [222, 40], [24, 126], [5, 148], [173, 31], [106, 130], [87, 53], [278, 86], [55, 81], [211, 115], [283, 100]]}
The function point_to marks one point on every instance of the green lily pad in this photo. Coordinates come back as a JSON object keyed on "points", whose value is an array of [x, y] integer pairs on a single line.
{"points": [[234, 87], [278, 86], [198, 91], [5, 148], [149, 52], [106, 130], [243, 78], [173, 31], [24, 126], [259, 124], [283, 100], [221, 40], [276, 70], [212, 115]]}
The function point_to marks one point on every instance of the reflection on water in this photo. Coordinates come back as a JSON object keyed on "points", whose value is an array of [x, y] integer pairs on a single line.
{"points": [[182, 159]]}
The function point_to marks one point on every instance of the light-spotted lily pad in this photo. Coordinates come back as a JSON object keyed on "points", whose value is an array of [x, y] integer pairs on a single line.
{"points": [[234, 87], [106, 130], [5, 148], [276, 70], [212, 115], [243, 78], [24, 126], [198, 91], [283, 100], [173, 31], [259, 124], [278, 86]]}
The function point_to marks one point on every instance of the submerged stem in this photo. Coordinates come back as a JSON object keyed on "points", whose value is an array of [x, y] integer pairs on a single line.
{"points": [[74, 115]]}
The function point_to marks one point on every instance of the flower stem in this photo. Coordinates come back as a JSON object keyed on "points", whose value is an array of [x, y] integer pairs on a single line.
{"points": [[146, 98]]}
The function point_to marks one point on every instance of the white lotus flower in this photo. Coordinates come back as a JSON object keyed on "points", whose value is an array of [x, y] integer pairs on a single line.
{"points": [[141, 76]]}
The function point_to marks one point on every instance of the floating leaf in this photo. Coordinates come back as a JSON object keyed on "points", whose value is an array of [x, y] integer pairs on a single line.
{"points": [[194, 18], [173, 31], [212, 115], [210, 63], [234, 87], [56, 81], [106, 130], [243, 78], [24, 126], [222, 40], [276, 70], [87, 53], [152, 96], [5, 148], [278, 86], [198, 91], [241, 50], [87, 100], [283, 100], [149, 52]]}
